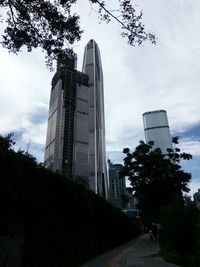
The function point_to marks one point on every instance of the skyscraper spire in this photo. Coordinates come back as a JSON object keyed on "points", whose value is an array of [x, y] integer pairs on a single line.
{"points": [[92, 66]]}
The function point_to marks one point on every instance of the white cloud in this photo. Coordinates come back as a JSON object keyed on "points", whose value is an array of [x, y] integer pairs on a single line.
{"points": [[25, 85], [190, 146]]}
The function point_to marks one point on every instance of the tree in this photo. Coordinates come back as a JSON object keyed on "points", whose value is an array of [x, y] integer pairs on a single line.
{"points": [[6, 142], [52, 26], [180, 233], [156, 178], [6, 145]]}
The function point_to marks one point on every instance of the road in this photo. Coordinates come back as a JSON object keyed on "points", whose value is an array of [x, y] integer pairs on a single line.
{"points": [[136, 253]]}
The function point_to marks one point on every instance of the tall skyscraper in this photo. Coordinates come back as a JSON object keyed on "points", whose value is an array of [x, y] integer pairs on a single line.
{"points": [[67, 141], [97, 153], [156, 129]]}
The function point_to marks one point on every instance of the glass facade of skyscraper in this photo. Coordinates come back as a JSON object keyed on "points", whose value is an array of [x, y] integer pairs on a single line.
{"points": [[156, 129], [97, 152], [67, 139]]}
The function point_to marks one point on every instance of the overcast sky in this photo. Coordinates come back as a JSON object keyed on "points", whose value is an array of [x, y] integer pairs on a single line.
{"points": [[136, 80]]}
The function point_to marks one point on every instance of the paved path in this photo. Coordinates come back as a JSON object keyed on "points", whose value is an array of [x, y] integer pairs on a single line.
{"points": [[137, 253]]}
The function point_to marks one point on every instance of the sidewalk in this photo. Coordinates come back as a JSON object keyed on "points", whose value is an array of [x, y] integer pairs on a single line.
{"points": [[138, 252]]}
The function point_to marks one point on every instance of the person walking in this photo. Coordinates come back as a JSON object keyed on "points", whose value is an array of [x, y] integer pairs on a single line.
{"points": [[155, 233], [151, 235]]}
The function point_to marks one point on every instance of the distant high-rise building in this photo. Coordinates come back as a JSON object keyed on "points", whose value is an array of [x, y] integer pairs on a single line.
{"points": [[97, 153], [156, 129], [117, 185], [196, 197], [67, 141]]}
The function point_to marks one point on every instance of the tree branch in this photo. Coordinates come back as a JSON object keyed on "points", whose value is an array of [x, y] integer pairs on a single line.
{"points": [[110, 14], [10, 3]]}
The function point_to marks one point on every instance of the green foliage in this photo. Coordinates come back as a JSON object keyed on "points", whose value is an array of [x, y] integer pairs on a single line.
{"points": [[159, 183], [65, 224], [6, 142], [45, 24], [180, 233], [155, 178], [52, 26]]}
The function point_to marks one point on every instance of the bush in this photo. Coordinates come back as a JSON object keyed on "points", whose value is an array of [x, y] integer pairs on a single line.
{"points": [[64, 223], [180, 233]]}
